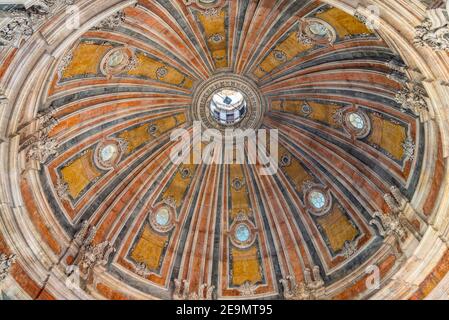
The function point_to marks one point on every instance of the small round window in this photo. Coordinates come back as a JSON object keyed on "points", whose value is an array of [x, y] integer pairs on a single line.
{"points": [[163, 217], [108, 153], [318, 29], [228, 107], [116, 59], [357, 121], [242, 233]]}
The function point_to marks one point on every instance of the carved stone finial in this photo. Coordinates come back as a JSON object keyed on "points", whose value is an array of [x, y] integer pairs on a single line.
{"points": [[112, 22], [389, 225], [42, 150], [6, 263], [310, 289], [412, 99], [62, 190], [428, 35], [182, 291], [247, 289]]}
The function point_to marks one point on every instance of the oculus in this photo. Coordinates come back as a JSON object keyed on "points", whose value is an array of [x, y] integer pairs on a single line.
{"points": [[228, 107], [313, 30], [117, 60], [243, 232], [318, 200], [162, 218], [357, 123], [228, 101]]}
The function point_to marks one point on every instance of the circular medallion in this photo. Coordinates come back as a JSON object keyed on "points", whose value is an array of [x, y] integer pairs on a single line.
{"points": [[245, 106], [243, 234], [280, 55], [107, 154], [162, 218], [318, 31], [216, 38], [357, 123]]}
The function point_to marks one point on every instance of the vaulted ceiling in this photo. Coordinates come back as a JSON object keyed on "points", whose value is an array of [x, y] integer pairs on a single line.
{"points": [[328, 82]]}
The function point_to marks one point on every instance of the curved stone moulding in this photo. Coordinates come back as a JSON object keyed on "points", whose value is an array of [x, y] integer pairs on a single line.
{"points": [[417, 254]]}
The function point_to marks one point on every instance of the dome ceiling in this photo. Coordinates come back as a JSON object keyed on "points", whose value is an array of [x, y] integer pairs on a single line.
{"points": [[349, 155]]}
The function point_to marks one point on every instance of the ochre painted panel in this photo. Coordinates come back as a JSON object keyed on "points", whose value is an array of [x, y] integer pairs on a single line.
{"points": [[80, 173], [149, 248], [245, 266], [338, 228]]}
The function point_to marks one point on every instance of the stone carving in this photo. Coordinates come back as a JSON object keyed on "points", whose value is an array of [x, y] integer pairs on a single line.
{"points": [[395, 200], [349, 249], [398, 77], [247, 289], [20, 26], [315, 31], [394, 223], [90, 255], [42, 150], [170, 201], [409, 149], [40, 146], [3, 99], [93, 255], [124, 144], [304, 38], [310, 289], [436, 38], [205, 291], [65, 62], [412, 98], [361, 17], [397, 65], [62, 190], [142, 270], [47, 121], [21, 23], [402, 219], [6, 263], [112, 22], [307, 185]]}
